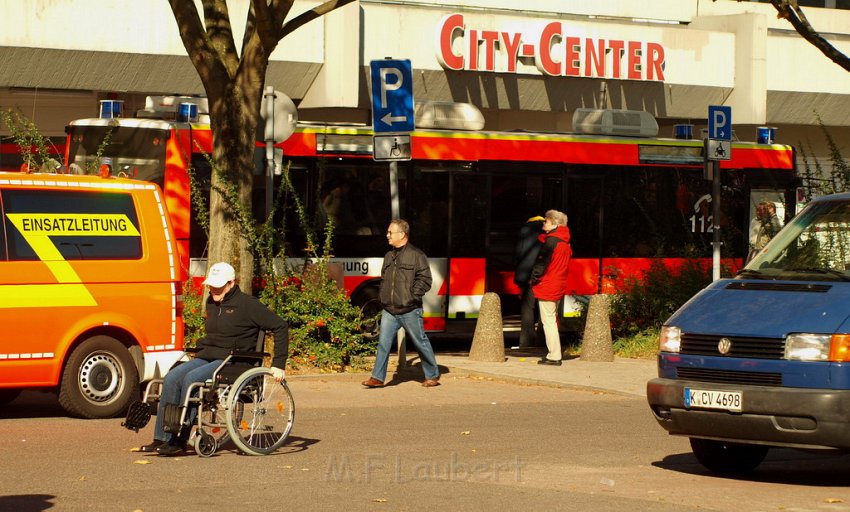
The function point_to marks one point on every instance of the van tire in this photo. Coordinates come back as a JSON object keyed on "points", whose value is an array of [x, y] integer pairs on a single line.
{"points": [[728, 458], [99, 379]]}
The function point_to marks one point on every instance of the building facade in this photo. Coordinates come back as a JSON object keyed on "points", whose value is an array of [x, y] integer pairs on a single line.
{"points": [[525, 65]]}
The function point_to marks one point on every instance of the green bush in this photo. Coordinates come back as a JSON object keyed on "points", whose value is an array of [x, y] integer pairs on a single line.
{"points": [[193, 314], [324, 327], [650, 299]]}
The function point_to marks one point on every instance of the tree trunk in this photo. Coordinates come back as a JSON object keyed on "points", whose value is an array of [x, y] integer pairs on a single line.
{"points": [[233, 138]]}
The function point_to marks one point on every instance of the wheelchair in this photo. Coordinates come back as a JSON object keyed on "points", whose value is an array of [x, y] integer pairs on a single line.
{"points": [[241, 402]]}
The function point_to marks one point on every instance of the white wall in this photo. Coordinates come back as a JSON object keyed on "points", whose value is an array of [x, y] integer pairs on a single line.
{"points": [[132, 26]]}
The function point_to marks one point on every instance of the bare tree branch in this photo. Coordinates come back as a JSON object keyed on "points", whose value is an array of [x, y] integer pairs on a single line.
{"points": [[206, 61], [219, 32], [789, 10], [310, 15]]}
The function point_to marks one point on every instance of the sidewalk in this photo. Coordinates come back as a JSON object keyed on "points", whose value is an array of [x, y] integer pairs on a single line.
{"points": [[622, 376]]}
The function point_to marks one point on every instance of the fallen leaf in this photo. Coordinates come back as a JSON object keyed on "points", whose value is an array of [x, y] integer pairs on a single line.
{"points": [[136, 449], [83, 479], [141, 461], [380, 500], [833, 500], [465, 433]]}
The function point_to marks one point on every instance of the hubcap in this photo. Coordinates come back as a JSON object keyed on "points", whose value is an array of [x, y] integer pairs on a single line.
{"points": [[100, 377]]}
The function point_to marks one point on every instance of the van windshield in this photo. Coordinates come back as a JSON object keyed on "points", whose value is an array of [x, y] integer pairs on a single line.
{"points": [[137, 152], [814, 246]]}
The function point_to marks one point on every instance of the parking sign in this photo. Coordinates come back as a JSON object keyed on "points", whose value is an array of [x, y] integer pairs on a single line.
{"points": [[392, 95], [719, 122]]}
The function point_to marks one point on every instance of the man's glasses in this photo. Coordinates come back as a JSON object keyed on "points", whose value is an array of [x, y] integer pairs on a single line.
{"points": [[391, 233]]}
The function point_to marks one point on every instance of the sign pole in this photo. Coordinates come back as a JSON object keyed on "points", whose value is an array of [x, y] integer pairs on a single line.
{"points": [[394, 202], [715, 205], [718, 147], [269, 95]]}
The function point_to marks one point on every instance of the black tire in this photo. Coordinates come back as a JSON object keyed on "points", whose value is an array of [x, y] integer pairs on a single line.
{"points": [[8, 395], [99, 380], [728, 458], [370, 319]]}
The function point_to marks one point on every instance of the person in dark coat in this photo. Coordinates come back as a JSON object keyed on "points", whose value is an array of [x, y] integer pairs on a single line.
{"points": [[234, 320], [405, 279], [549, 279], [527, 248]]}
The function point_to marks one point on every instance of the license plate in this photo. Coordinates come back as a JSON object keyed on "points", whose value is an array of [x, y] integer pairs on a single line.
{"points": [[708, 399]]}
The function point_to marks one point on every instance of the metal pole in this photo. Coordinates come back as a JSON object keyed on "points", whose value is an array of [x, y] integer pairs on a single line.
{"points": [[715, 203], [269, 132], [394, 202]]}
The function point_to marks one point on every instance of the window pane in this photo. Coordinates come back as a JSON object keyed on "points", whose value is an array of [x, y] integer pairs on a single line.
{"points": [[89, 225]]}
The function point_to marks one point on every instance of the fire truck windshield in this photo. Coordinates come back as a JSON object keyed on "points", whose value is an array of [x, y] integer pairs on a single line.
{"points": [[137, 152]]}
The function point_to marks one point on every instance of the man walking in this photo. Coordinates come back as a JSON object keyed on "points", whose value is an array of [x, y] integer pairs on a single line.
{"points": [[405, 278]]}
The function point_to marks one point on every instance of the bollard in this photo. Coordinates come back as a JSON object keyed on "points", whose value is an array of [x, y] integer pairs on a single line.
{"points": [[488, 342], [596, 345]]}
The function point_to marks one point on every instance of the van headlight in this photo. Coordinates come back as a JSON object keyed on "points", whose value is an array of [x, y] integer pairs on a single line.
{"points": [[670, 339], [807, 347], [817, 347]]}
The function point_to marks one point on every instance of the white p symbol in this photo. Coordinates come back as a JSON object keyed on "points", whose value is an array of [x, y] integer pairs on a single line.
{"points": [[719, 122], [387, 86]]}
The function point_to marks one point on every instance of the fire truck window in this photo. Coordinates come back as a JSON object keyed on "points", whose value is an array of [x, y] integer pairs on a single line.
{"points": [[426, 207], [86, 223]]}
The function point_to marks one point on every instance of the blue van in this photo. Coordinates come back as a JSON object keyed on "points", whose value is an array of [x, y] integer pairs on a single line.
{"points": [[763, 359]]}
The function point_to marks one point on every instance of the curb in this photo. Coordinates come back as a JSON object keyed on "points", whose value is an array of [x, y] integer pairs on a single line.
{"points": [[464, 372]]}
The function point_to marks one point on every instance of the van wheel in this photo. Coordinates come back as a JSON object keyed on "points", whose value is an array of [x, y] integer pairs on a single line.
{"points": [[99, 380], [7, 395], [728, 458]]}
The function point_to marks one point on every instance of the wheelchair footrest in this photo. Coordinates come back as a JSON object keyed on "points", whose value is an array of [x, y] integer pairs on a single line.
{"points": [[138, 415]]}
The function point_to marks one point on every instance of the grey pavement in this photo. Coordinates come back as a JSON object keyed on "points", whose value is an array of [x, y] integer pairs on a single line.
{"points": [[622, 376]]}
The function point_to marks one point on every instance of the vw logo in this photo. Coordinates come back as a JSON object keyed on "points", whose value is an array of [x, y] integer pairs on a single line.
{"points": [[724, 346]]}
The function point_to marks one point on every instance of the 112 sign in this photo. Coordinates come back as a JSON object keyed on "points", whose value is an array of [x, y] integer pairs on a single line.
{"points": [[701, 220]]}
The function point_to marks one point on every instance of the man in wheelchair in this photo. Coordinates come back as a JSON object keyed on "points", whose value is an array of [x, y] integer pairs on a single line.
{"points": [[233, 323]]}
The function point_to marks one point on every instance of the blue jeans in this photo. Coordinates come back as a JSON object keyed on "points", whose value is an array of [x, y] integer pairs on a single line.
{"points": [[415, 329], [175, 387]]}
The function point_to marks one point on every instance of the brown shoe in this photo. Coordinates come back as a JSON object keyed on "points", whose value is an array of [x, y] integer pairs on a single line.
{"points": [[430, 383], [372, 382]]}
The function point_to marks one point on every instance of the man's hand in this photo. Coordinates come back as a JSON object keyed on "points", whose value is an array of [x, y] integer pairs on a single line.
{"points": [[278, 374]]}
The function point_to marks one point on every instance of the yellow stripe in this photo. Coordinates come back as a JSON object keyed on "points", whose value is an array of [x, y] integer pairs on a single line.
{"points": [[44, 296]]}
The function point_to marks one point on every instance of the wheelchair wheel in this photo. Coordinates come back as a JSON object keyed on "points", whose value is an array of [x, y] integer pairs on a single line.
{"points": [[260, 412], [205, 444]]}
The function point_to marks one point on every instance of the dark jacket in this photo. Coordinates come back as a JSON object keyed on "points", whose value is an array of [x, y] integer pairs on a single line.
{"points": [[235, 324], [549, 275], [526, 251], [405, 279]]}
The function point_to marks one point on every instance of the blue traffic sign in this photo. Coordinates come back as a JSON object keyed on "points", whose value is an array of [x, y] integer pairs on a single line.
{"points": [[392, 96], [719, 122]]}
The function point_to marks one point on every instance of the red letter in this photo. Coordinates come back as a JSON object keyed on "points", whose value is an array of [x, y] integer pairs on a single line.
{"points": [[654, 61], [489, 37], [446, 35], [572, 64], [634, 60], [551, 34], [594, 58], [473, 50], [616, 56], [511, 44]]}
